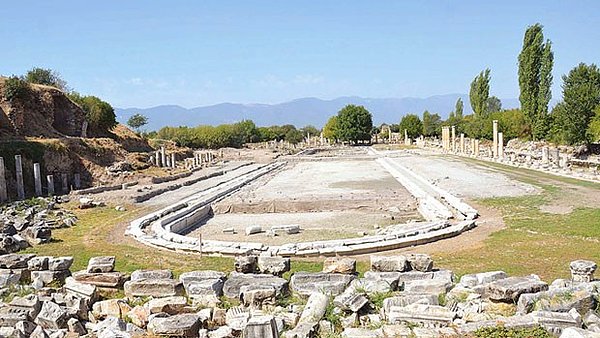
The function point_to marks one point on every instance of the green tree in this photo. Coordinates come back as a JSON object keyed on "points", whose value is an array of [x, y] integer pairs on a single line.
{"points": [[412, 124], [535, 79], [294, 136], [354, 124], [310, 130], [458, 108], [136, 121], [431, 124], [46, 77], [581, 96], [330, 131], [99, 114], [15, 88], [493, 105], [479, 93], [594, 127], [246, 131]]}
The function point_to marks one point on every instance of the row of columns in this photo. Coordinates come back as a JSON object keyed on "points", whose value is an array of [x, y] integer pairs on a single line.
{"points": [[162, 159], [37, 180]]}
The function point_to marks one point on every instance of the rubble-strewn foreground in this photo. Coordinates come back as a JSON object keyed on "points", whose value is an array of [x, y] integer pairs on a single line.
{"points": [[401, 296]]}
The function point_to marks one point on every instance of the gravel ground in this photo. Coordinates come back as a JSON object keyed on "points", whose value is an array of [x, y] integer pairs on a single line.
{"points": [[464, 179]]}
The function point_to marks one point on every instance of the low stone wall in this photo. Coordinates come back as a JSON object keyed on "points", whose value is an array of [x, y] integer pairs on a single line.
{"points": [[103, 188], [165, 229]]}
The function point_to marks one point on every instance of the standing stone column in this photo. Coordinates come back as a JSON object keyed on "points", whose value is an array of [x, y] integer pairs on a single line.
{"points": [[173, 163], [556, 157], [462, 143], [500, 145], [158, 163], [163, 155], [3, 191], [168, 163], [50, 181], [19, 172], [37, 178], [472, 146], [545, 155], [476, 148], [495, 136], [77, 181], [453, 138], [65, 183]]}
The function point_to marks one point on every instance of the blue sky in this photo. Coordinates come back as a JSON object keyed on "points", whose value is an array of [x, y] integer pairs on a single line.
{"points": [[192, 53]]}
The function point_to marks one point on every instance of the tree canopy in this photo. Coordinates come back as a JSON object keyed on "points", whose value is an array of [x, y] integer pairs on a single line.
{"points": [[354, 123], [536, 61], [99, 114], [136, 121], [479, 93], [412, 124], [46, 77]]}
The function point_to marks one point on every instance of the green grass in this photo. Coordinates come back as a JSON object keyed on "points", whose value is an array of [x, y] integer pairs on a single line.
{"points": [[534, 241]]}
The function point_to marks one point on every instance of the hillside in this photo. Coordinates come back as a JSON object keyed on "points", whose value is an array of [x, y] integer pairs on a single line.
{"points": [[45, 127], [299, 112]]}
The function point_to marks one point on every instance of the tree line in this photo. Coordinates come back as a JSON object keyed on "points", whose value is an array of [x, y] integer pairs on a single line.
{"points": [[574, 120]]}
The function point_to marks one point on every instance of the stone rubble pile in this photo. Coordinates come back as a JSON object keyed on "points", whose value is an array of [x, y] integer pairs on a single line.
{"points": [[28, 223], [401, 296]]}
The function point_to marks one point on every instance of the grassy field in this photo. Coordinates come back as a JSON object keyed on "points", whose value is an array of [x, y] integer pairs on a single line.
{"points": [[532, 242], [535, 241]]}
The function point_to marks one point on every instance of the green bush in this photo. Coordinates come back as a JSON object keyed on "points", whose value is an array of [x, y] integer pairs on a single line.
{"points": [[502, 332], [15, 88]]}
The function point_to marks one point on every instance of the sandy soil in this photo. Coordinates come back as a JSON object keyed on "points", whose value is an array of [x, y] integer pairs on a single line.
{"points": [[464, 179], [323, 186], [314, 225]]}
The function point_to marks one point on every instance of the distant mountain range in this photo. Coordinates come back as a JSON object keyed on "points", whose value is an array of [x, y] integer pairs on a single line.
{"points": [[299, 112]]}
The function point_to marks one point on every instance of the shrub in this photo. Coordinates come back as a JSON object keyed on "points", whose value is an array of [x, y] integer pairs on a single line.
{"points": [[15, 88]]}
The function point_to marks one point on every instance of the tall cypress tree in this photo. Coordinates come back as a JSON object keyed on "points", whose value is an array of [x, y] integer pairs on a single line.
{"points": [[458, 108], [535, 79], [479, 93]]}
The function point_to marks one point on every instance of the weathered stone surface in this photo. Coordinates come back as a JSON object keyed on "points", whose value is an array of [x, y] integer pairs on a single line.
{"points": [[170, 305], [472, 280], [509, 289], [236, 281], [151, 274], [60, 263], [81, 290], [154, 288], [315, 308], [51, 316], [391, 278], [50, 277], [555, 322], [257, 295], [245, 264], [274, 265], [110, 308], [253, 229], [201, 275], [75, 326], [373, 285], [139, 315], [350, 300], [15, 261], [10, 315], [8, 278], [420, 262], [582, 271], [207, 287], [405, 299], [306, 283], [557, 300], [183, 325], [421, 314], [339, 265], [397, 263], [221, 332], [237, 318], [37, 234], [352, 332], [261, 327], [38, 263], [101, 264], [575, 332], [432, 286], [101, 279]]}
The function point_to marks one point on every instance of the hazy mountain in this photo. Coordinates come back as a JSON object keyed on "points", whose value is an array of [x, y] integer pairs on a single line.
{"points": [[299, 112]]}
